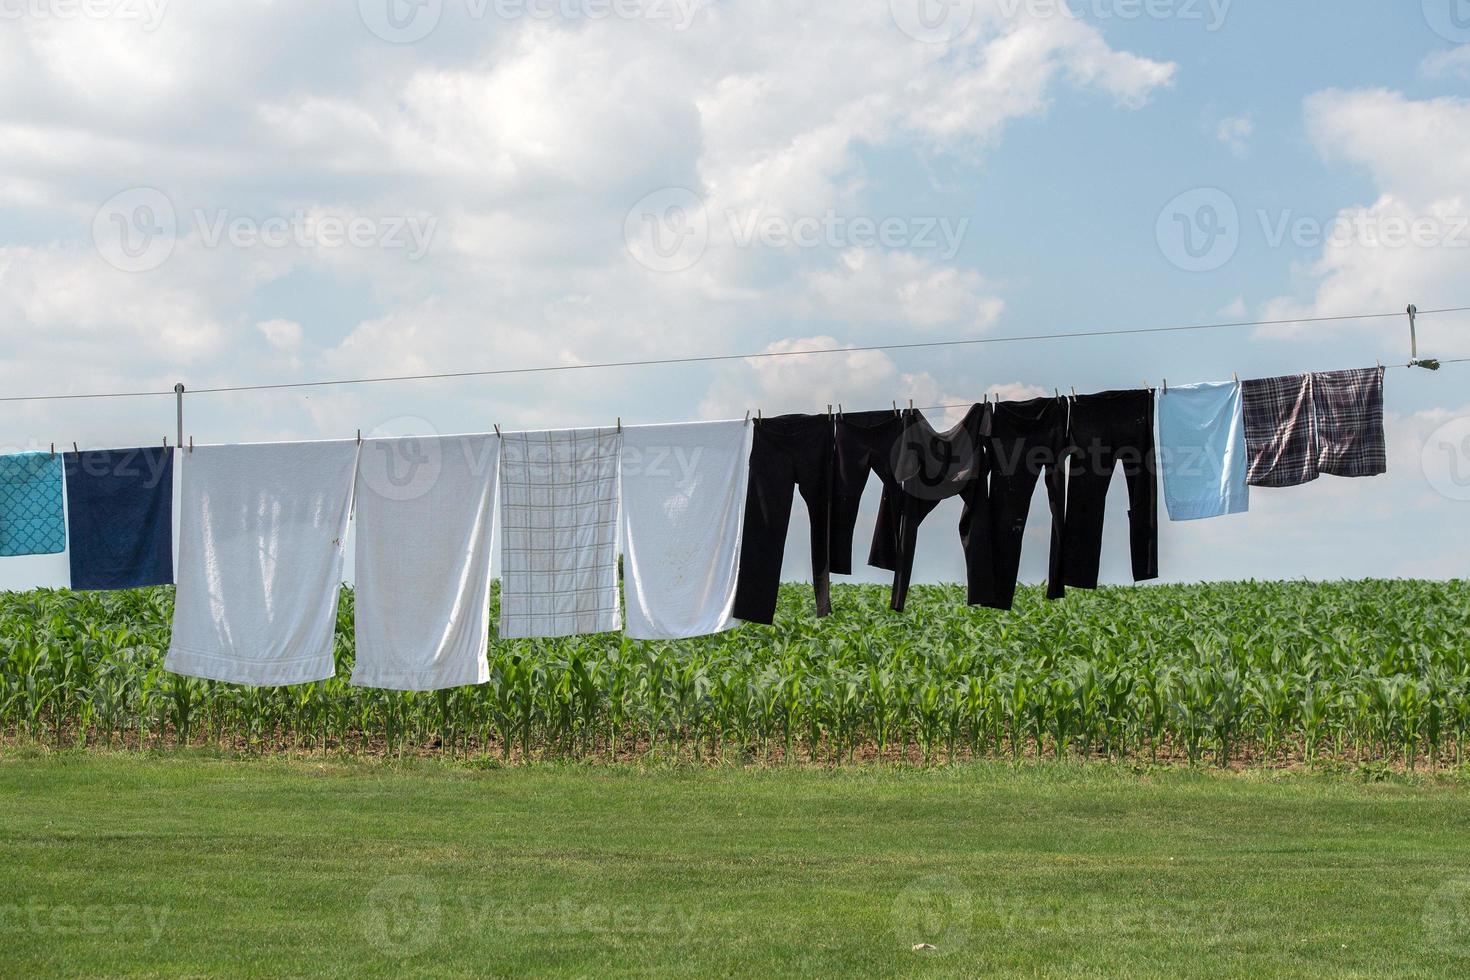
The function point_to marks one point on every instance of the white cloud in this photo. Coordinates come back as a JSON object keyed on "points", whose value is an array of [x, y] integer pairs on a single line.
{"points": [[869, 286], [808, 383], [1409, 244], [1236, 132], [1453, 63]]}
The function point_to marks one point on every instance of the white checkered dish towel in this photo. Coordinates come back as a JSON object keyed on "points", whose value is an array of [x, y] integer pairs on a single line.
{"points": [[559, 532]]}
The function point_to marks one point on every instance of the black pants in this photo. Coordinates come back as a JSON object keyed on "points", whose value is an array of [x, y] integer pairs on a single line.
{"points": [[1108, 429], [787, 453], [1026, 440], [867, 442], [932, 467]]}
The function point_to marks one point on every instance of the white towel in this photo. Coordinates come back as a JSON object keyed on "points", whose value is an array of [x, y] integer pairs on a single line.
{"points": [[559, 520], [262, 529], [422, 561], [683, 501]]}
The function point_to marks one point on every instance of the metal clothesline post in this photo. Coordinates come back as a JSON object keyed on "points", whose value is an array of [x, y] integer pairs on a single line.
{"points": [[179, 405]]}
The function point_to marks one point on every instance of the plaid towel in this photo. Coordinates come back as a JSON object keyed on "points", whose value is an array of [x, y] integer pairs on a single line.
{"points": [[1280, 437], [559, 532], [1349, 410]]}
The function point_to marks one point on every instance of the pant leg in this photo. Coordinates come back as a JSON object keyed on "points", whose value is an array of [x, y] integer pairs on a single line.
{"points": [[814, 479], [1012, 484], [912, 511], [1141, 471], [852, 462], [768, 498], [1092, 461]]}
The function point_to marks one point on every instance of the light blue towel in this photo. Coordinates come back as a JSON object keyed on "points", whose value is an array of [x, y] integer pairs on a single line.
{"points": [[1202, 451], [31, 514]]}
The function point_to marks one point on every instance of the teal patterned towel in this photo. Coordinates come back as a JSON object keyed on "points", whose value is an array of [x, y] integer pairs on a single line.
{"points": [[31, 513]]}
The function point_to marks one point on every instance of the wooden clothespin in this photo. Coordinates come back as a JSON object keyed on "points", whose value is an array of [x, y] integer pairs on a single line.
{"points": [[747, 416], [75, 449], [1074, 391], [911, 404], [497, 428], [165, 442], [829, 411], [1235, 375], [191, 444], [359, 437], [895, 409], [1057, 392], [620, 423], [53, 449], [1166, 386]]}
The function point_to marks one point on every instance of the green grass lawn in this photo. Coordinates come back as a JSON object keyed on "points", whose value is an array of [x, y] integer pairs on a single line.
{"points": [[187, 864]]}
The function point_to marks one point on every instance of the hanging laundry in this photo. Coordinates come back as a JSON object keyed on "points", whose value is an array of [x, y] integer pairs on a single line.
{"points": [[119, 504], [932, 467], [32, 521], [1107, 431], [559, 519], [1349, 422], [422, 561], [1027, 443], [683, 492], [1280, 435], [262, 529], [787, 453], [866, 442], [1202, 451]]}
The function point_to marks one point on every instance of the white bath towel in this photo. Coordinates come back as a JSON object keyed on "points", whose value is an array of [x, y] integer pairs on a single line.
{"points": [[422, 561], [559, 520], [683, 501], [262, 530]]}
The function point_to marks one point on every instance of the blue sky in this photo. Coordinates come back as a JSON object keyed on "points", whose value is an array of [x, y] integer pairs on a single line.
{"points": [[495, 164]]}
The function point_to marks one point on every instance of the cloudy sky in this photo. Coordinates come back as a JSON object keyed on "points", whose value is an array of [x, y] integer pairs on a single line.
{"points": [[270, 192]]}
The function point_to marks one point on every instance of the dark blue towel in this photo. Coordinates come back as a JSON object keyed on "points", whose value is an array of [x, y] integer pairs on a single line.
{"points": [[119, 505]]}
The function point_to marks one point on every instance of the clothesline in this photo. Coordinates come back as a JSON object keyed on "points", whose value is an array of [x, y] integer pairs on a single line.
{"points": [[760, 355], [700, 513]]}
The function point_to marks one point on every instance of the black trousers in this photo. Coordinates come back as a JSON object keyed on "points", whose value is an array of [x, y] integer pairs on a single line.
{"points": [[787, 453], [932, 467], [1026, 441], [1107, 430], [867, 442]]}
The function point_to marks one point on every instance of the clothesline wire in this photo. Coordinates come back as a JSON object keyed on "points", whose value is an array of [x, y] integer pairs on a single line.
{"points": [[709, 358]]}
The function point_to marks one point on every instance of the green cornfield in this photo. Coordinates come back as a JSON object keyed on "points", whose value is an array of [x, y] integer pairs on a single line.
{"points": [[1259, 674]]}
